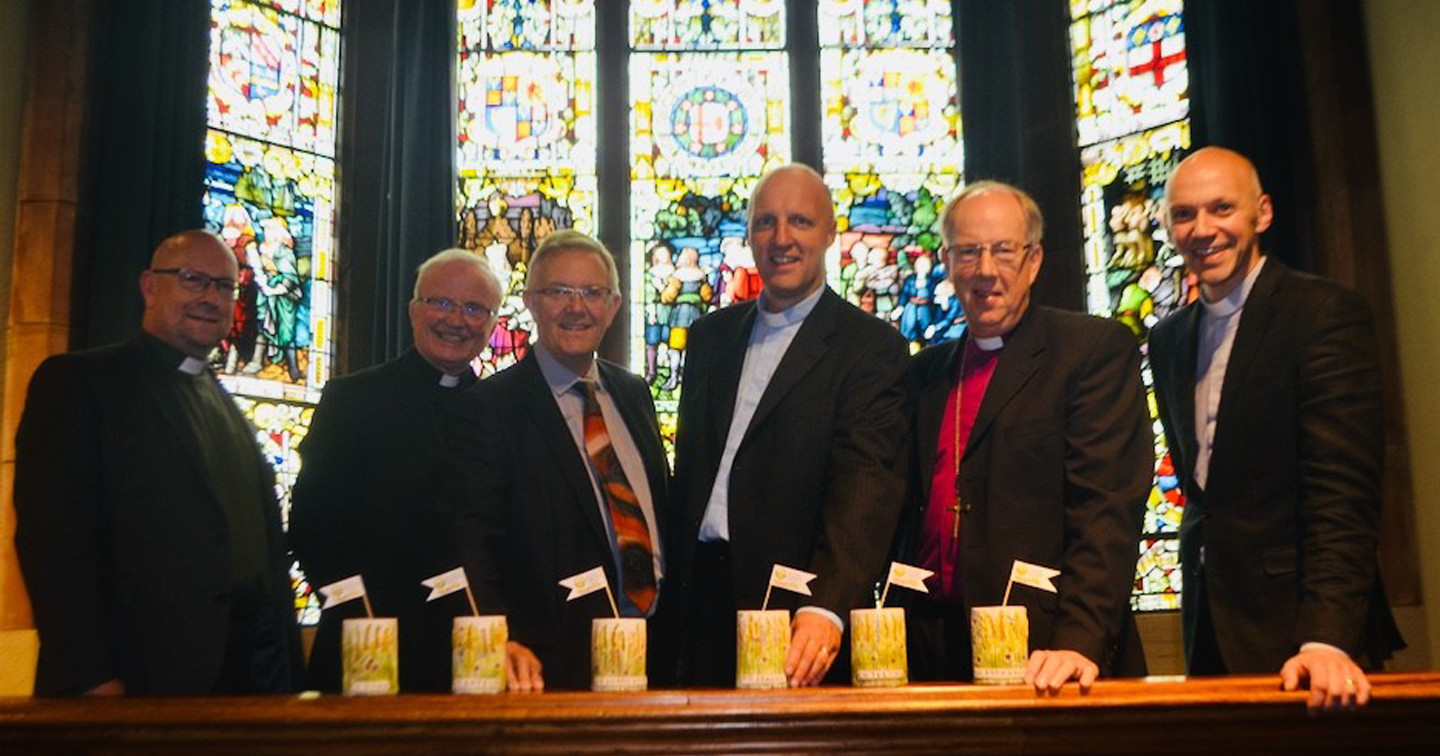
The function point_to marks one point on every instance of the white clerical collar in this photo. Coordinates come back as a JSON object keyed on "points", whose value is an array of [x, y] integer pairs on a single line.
{"points": [[989, 343], [790, 315], [449, 381], [1232, 302], [192, 366]]}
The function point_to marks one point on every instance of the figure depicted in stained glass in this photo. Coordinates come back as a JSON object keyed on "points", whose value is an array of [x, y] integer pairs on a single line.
{"points": [[369, 498], [147, 528], [1271, 398], [1055, 477], [812, 474], [565, 472]]}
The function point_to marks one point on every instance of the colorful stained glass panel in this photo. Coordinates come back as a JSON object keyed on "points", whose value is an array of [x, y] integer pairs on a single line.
{"points": [[707, 24], [274, 207], [273, 76], [526, 24], [270, 194], [526, 149], [704, 128], [885, 23], [1130, 66], [1131, 103]]}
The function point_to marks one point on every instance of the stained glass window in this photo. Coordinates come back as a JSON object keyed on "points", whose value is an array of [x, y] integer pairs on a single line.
{"points": [[1132, 114], [526, 151], [709, 114], [270, 194], [893, 157]]}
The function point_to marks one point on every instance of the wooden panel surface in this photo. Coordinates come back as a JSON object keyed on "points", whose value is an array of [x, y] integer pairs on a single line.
{"points": [[1158, 715]]}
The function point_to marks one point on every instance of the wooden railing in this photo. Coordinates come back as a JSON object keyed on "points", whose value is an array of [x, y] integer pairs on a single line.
{"points": [[1230, 716]]}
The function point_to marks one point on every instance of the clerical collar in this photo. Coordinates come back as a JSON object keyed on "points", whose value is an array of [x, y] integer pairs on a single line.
{"points": [[449, 381], [1232, 302], [192, 365], [558, 377], [790, 315], [989, 343]]}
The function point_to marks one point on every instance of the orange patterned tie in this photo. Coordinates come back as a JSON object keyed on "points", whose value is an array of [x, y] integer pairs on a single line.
{"points": [[632, 535]]}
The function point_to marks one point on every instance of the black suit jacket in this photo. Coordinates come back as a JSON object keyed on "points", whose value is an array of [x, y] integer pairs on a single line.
{"points": [[1055, 473], [1289, 517], [816, 482], [529, 516], [368, 501], [121, 538]]}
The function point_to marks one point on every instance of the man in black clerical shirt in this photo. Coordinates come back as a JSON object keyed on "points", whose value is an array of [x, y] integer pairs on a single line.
{"points": [[146, 523], [374, 466]]}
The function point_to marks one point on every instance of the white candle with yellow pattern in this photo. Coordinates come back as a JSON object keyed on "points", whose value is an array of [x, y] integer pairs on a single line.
{"points": [[762, 641], [370, 657], [617, 654], [1000, 639], [477, 654], [877, 647]]}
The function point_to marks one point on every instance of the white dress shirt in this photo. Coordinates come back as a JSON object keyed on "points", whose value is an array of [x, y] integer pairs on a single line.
{"points": [[770, 338]]}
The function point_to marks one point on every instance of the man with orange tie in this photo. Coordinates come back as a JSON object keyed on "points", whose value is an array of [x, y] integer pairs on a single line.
{"points": [[1032, 443], [564, 472]]}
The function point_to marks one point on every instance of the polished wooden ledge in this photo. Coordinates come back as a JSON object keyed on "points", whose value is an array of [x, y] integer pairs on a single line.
{"points": [[1238, 715]]}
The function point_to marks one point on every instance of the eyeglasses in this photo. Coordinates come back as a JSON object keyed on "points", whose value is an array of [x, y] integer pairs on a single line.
{"points": [[556, 296], [472, 311], [1005, 254], [196, 281]]}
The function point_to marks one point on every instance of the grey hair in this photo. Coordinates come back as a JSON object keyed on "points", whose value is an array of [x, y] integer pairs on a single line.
{"points": [[1034, 221], [452, 255], [570, 239]]}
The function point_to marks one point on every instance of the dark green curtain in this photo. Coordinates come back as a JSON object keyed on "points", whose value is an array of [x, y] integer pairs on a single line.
{"points": [[396, 177], [143, 155], [1019, 118], [1247, 88]]}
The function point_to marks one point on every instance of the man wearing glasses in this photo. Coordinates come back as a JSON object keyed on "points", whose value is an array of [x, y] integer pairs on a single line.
{"points": [[1031, 442], [375, 469], [564, 472], [146, 523]]}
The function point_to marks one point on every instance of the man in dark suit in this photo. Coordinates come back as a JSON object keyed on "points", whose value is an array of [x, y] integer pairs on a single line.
{"points": [[1032, 443], [565, 472], [791, 418], [375, 468], [1269, 392], [146, 522]]}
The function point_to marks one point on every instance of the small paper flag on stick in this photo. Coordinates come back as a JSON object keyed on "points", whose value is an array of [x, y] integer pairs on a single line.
{"points": [[588, 582], [447, 583], [790, 579], [341, 591], [905, 576], [1032, 575]]}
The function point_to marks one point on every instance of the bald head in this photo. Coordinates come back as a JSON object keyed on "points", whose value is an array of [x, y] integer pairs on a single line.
{"points": [[792, 223], [1219, 160], [189, 292], [1215, 212]]}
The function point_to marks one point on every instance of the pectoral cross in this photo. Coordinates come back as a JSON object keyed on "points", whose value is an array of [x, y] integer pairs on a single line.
{"points": [[955, 532]]}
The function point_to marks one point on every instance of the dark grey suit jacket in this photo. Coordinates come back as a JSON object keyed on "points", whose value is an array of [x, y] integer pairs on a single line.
{"points": [[528, 516], [1055, 473], [121, 538], [1289, 517], [816, 482]]}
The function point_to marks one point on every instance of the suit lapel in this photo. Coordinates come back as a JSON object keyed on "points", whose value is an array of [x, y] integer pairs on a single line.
{"points": [[1255, 319], [1182, 376], [729, 362], [933, 392], [1018, 362], [545, 415], [642, 431], [810, 344]]}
